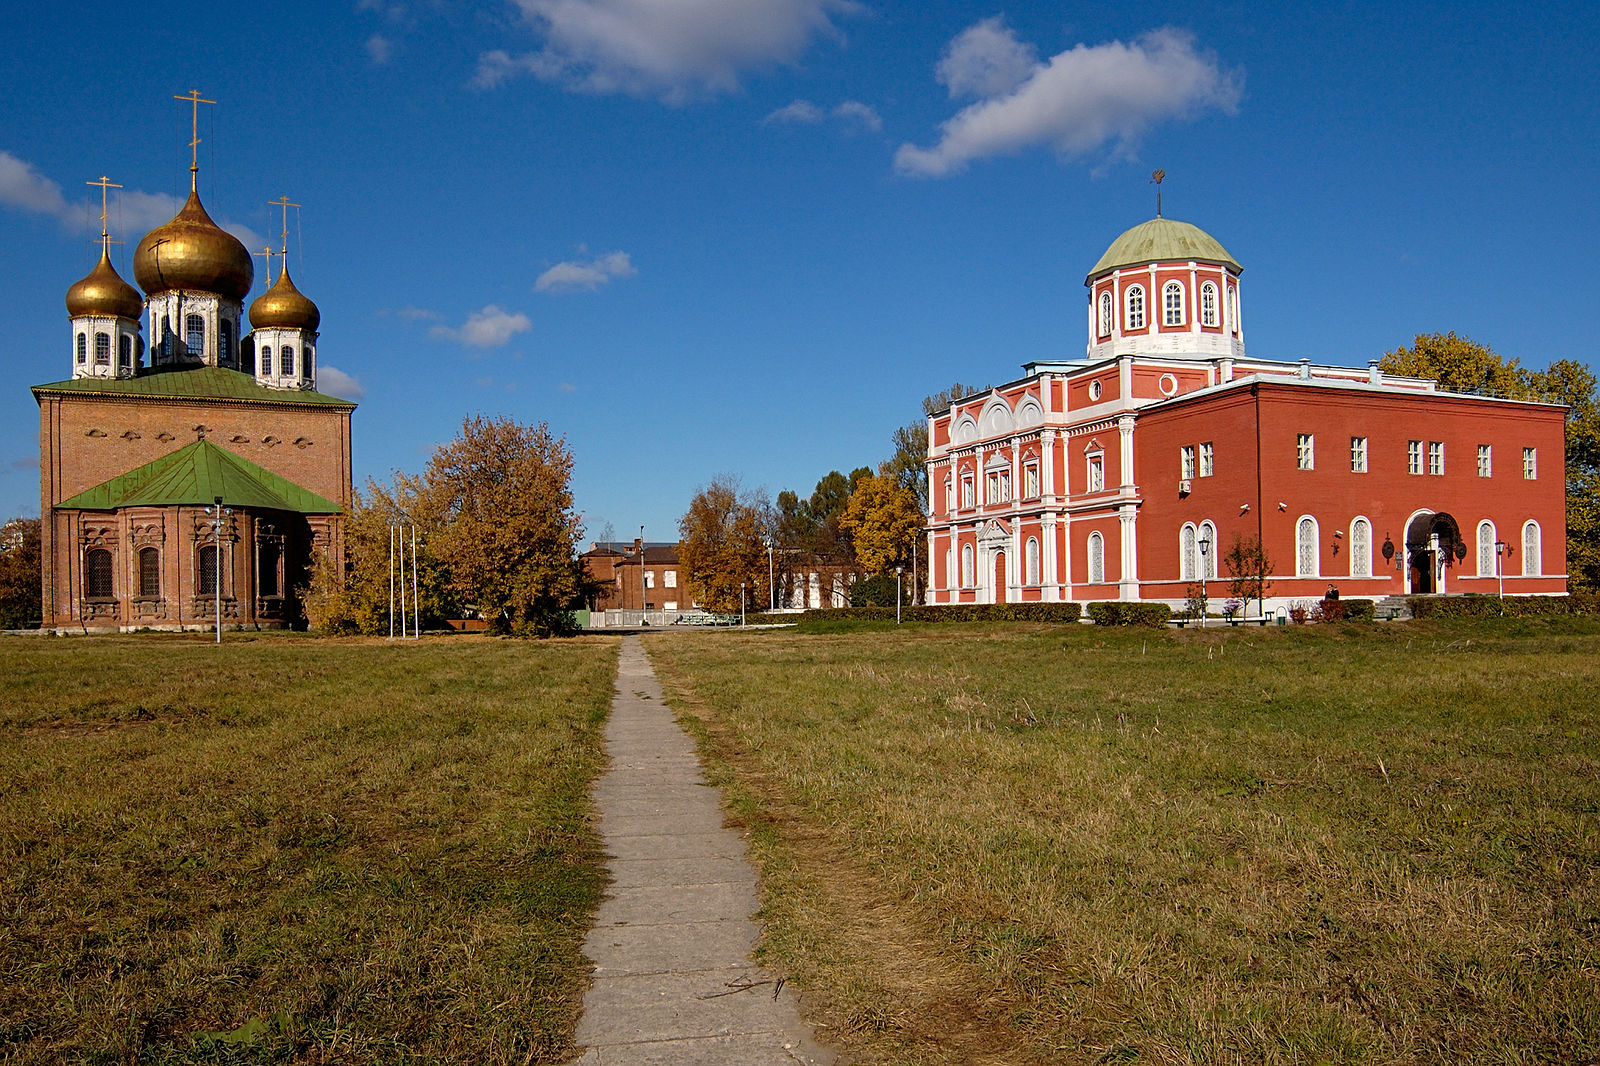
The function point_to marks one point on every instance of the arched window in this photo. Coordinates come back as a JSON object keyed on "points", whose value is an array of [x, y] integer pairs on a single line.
{"points": [[194, 334], [83, 348], [966, 566], [1105, 313], [150, 572], [1097, 559], [1486, 553], [125, 352], [1186, 553], [1172, 303], [102, 349], [1531, 564], [266, 358], [1031, 557], [207, 585], [1305, 544], [1208, 304], [286, 361], [1233, 307], [1208, 558], [1361, 548], [1135, 307], [97, 575], [224, 341], [268, 561]]}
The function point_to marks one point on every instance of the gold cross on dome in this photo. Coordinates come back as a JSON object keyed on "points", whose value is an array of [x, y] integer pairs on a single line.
{"points": [[195, 100], [283, 202], [267, 251], [104, 183]]}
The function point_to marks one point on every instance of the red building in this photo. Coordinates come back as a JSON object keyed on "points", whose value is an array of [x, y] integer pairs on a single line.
{"points": [[1130, 473]]}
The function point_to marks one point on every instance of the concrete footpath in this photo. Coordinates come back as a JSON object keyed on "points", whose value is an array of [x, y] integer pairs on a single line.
{"points": [[673, 978]]}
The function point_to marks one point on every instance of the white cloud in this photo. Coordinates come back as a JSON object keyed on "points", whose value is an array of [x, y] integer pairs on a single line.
{"points": [[673, 48], [574, 274], [986, 60], [418, 314], [1078, 101], [856, 111], [336, 382], [23, 187], [803, 112], [490, 328], [380, 49]]}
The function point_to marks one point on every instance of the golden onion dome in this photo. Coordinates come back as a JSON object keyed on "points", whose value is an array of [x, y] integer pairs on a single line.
{"points": [[284, 307], [192, 252], [104, 292]]}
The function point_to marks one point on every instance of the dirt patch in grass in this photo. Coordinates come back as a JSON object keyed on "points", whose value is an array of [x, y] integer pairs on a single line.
{"points": [[1321, 844], [291, 850]]}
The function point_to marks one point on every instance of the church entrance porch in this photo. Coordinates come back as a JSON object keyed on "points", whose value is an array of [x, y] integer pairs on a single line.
{"points": [[1433, 547]]}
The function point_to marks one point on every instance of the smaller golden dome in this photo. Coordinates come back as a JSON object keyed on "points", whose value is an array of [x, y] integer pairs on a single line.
{"points": [[284, 307], [104, 292], [192, 252]]}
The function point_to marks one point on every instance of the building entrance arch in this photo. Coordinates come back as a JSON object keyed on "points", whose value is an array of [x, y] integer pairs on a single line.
{"points": [[999, 577], [1433, 547]]}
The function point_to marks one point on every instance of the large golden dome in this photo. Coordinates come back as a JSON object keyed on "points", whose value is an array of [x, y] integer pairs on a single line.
{"points": [[192, 252], [284, 307], [104, 292]]}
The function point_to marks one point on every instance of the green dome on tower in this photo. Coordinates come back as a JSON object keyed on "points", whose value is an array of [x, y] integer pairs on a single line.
{"points": [[1163, 240]]}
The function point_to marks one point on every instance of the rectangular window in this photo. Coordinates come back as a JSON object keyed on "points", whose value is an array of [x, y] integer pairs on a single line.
{"points": [[1207, 465], [1485, 461], [1305, 451], [1030, 475], [671, 580], [967, 492], [1186, 462], [1358, 455], [1097, 473], [672, 605], [1414, 457], [1435, 457], [1530, 463], [649, 579]]}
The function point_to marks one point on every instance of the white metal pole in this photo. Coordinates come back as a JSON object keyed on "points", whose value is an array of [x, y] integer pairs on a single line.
{"points": [[416, 602], [391, 581], [402, 535], [217, 530]]}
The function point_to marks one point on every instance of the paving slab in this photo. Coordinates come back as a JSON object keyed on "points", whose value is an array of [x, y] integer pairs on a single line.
{"points": [[673, 979]]}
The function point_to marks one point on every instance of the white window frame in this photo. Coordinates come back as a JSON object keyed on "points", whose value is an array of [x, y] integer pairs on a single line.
{"points": [[1530, 464], [1172, 299], [1186, 462], [1107, 312], [669, 578], [1360, 547], [1307, 556], [1095, 550], [968, 566], [1133, 304], [1095, 474], [1436, 458], [1305, 451], [1030, 479], [969, 491], [1532, 549], [1208, 305], [649, 579], [1358, 455], [1208, 559], [1030, 554], [1486, 552], [1188, 552], [1414, 457], [1485, 460], [1207, 459]]}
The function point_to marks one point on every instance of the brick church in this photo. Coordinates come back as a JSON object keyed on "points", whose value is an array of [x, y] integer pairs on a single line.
{"points": [[1128, 474], [205, 468]]}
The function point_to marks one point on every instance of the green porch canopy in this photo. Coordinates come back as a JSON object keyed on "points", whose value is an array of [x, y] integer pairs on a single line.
{"points": [[195, 475]]}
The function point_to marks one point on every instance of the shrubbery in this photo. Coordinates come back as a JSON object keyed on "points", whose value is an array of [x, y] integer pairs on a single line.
{"points": [[1345, 611], [1579, 603], [955, 612], [1129, 613]]}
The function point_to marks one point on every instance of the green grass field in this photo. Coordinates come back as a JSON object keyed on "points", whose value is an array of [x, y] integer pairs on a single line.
{"points": [[295, 850], [1070, 844]]}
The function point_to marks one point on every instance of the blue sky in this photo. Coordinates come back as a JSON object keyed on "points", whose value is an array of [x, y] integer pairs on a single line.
{"points": [[748, 236]]}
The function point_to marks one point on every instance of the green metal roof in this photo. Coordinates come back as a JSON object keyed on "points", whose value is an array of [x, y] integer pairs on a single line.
{"points": [[191, 383], [196, 475], [1163, 240]]}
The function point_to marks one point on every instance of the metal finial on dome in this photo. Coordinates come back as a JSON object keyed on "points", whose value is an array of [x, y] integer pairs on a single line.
{"points": [[195, 100], [1156, 179]]}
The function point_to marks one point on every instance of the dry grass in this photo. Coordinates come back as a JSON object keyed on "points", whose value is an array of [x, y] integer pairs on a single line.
{"points": [[1009, 843], [287, 850]]}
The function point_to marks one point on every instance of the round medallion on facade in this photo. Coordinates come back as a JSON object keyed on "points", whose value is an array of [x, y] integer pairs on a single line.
{"points": [[1163, 240], [284, 307], [194, 253], [104, 292]]}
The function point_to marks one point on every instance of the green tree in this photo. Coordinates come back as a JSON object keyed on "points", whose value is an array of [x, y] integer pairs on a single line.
{"points": [[722, 544], [21, 589], [1458, 365], [883, 522], [356, 595], [499, 501], [1248, 568], [908, 464]]}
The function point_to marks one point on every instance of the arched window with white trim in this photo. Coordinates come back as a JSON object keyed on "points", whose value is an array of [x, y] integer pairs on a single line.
{"points": [[1208, 304], [83, 348], [1172, 303], [102, 349], [1186, 553], [1031, 556], [286, 361], [966, 566], [1105, 313], [1208, 558], [1134, 301], [194, 334], [1097, 559], [1361, 548], [1486, 552], [1532, 566], [1305, 547]]}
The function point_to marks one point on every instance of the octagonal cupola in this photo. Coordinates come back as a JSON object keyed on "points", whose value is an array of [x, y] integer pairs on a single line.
{"points": [[1165, 288], [104, 311], [281, 348]]}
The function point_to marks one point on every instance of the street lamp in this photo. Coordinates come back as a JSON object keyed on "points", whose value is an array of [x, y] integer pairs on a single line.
{"points": [[219, 515], [1500, 549], [1205, 571], [741, 603], [644, 619], [897, 572], [772, 592]]}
